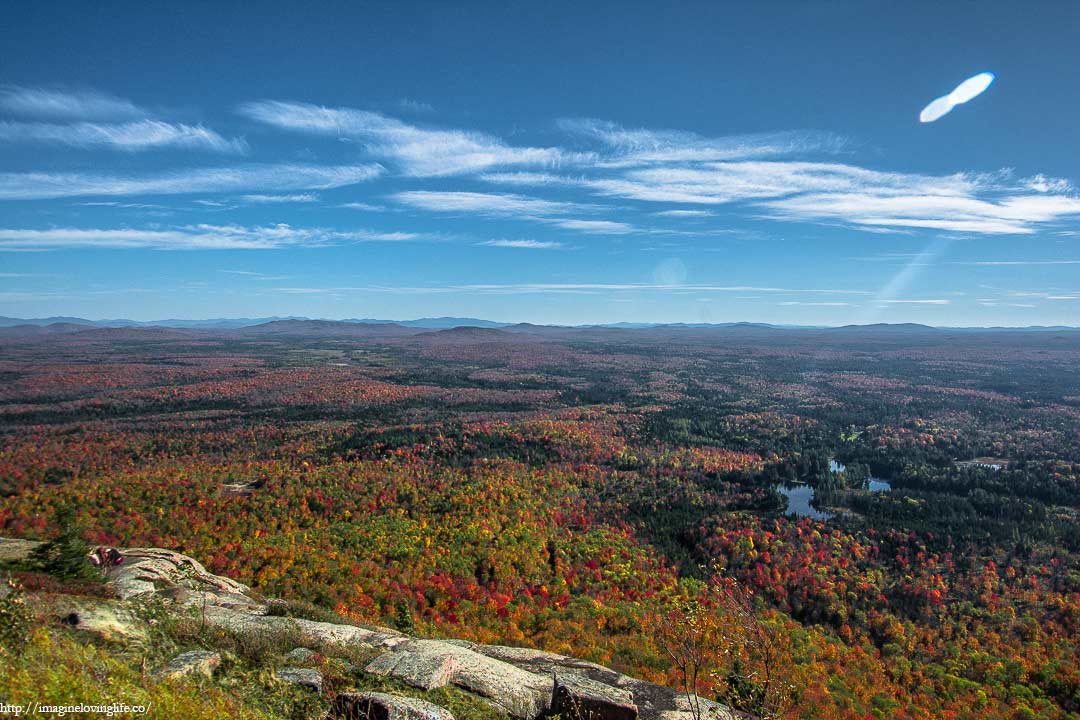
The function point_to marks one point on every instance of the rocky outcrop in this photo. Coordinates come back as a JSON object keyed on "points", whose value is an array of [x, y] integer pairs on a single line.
{"points": [[654, 702], [300, 655], [430, 664], [148, 570], [304, 677], [381, 706], [13, 549], [578, 698], [107, 619], [195, 662], [528, 684], [241, 489], [311, 632]]}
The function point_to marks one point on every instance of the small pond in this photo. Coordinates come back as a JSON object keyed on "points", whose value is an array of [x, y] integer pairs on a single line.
{"points": [[878, 485], [799, 499], [873, 484]]}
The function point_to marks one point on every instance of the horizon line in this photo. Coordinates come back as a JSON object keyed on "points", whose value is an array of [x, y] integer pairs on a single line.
{"points": [[11, 321]]}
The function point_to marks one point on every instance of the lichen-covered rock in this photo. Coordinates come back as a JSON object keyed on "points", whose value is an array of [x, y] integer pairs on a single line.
{"points": [[108, 619], [545, 663], [578, 698], [300, 655], [381, 706], [424, 670], [654, 702], [242, 489], [429, 664], [706, 710], [145, 569], [709, 711], [309, 631], [304, 677], [12, 549], [195, 662]]}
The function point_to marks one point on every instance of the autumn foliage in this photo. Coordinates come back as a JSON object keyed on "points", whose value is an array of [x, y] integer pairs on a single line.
{"points": [[572, 496]]}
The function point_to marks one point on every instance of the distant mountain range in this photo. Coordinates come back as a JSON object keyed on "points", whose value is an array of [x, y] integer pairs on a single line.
{"points": [[63, 324], [224, 323]]}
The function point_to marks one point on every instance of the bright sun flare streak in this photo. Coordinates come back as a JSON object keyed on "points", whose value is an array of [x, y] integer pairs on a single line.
{"points": [[967, 90]]}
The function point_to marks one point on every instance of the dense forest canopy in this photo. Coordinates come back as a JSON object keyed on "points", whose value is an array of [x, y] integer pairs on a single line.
{"points": [[563, 488]]}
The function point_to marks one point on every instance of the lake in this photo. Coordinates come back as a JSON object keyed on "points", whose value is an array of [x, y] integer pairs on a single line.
{"points": [[873, 484], [799, 499], [878, 485]]}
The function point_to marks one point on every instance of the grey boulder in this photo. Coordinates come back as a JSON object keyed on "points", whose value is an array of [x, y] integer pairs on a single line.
{"points": [[576, 697], [381, 706], [195, 662], [304, 677], [430, 664]]}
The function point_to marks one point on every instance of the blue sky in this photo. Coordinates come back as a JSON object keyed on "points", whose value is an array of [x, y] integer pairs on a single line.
{"points": [[550, 162]]}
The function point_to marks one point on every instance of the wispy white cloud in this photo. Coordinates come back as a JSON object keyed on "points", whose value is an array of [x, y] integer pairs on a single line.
{"points": [[130, 136], [97, 120], [201, 237], [566, 289], [21, 295], [304, 290], [192, 237], [540, 288], [596, 227], [274, 199], [815, 304], [1014, 262], [523, 244], [253, 274], [417, 151], [994, 303], [532, 179], [1011, 214], [125, 205], [1048, 294], [362, 206], [72, 104], [718, 183], [415, 106], [1043, 184], [519, 207], [828, 192], [378, 236], [916, 302], [283, 177], [684, 213], [763, 173], [889, 257], [492, 204], [634, 147], [685, 175]]}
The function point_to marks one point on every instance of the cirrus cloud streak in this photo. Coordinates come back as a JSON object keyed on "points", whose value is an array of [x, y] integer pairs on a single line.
{"points": [[193, 237], [132, 136], [417, 151], [281, 177]]}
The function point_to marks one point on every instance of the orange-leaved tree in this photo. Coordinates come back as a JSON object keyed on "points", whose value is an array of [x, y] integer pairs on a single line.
{"points": [[720, 640]]}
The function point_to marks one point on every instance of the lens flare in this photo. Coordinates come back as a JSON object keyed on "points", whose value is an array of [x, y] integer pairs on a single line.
{"points": [[965, 91]]}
